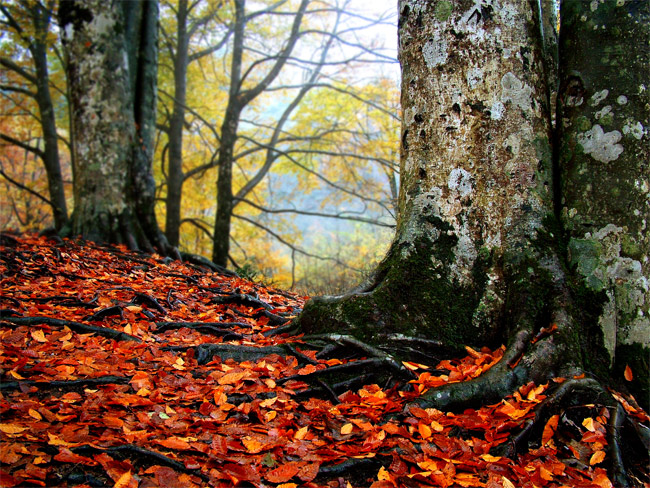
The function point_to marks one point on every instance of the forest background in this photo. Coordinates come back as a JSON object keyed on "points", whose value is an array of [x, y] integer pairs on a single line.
{"points": [[316, 166]]}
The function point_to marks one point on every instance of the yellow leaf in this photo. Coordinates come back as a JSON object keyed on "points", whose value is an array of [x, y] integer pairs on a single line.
{"points": [[124, 480], [597, 457], [301, 433], [16, 375], [489, 458], [436, 426], [588, 424], [38, 335], [383, 475], [134, 308], [12, 428], [34, 414], [347, 428], [268, 416], [507, 483]]}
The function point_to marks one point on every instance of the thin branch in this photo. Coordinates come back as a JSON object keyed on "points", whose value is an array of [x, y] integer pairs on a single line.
{"points": [[340, 216]]}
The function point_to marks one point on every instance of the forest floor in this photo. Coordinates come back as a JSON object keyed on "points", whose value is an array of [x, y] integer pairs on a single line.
{"points": [[130, 370]]}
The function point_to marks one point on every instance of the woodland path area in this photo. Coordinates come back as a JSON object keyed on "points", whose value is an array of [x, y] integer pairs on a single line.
{"points": [[130, 370]]}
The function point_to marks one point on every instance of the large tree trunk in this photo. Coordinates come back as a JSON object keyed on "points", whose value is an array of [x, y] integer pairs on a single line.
{"points": [[476, 185], [604, 114], [479, 256], [112, 52]]}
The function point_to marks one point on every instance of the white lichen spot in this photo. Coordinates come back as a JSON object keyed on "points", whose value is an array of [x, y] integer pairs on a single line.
{"points": [[435, 51], [622, 100], [474, 76], [515, 91], [620, 3], [607, 109], [497, 110], [594, 5], [460, 181], [513, 142], [635, 130], [600, 145], [598, 97]]}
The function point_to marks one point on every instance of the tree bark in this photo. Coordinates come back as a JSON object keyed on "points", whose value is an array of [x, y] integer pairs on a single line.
{"points": [[475, 202], [480, 256], [112, 60], [604, 155], [175, 154]]}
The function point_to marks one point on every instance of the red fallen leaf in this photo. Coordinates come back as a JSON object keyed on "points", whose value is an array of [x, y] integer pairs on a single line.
{"points": [[549, 429], [67, 456], [628, 373], [237, 473], [308, 472], [174, 443], [141, 380], [398, 466], [8, 481], [283, 473]]}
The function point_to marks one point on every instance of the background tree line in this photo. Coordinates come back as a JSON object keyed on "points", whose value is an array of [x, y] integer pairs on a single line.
{"points": [[267, 114]]}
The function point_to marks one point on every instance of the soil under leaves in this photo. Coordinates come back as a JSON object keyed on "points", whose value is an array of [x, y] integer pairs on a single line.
{"points": [[130, 370]]}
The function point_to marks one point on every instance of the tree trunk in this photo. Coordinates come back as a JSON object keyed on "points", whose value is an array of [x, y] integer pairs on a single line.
{"points": [[175, 154], [479, 254], [603, 109], [112, 50], [51, 159], [221, 244], [476, 185]]}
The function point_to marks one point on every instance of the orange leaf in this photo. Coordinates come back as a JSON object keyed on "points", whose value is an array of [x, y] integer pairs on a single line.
{"points": [[12, 428], [424, 430], [174, 443], [309, 472], [283, 473], [34, 414], [588, 424], [347, 428], [232, 378], [549, 429], [301, 433], [628, 373], [597, 457], [38, 335]]}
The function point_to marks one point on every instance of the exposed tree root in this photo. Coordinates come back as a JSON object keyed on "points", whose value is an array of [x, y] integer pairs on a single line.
{"points": [[75, 326], [65, 385], [140, 455]]}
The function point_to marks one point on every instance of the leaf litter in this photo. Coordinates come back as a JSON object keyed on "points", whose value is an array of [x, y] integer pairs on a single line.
{"points": [[105, 382]]}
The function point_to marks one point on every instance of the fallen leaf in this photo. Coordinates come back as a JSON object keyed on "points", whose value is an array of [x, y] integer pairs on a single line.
{"points": [[347, 428], [38, 335], [12, 428], [628, 373], [283, 473], [597, 458]]}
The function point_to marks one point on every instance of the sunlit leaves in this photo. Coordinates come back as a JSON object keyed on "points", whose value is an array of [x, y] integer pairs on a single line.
{"points": [[240, 421]]}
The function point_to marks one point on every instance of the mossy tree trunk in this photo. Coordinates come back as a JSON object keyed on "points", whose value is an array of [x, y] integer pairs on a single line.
{"points": [[604, 111], [479, 255], [112, 60]]}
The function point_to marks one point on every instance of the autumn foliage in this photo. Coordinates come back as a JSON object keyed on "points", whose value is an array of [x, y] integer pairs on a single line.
{"points": [[129, 370]]}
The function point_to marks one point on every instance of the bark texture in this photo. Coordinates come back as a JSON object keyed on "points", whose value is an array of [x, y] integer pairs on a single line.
{"points": [[111, 48], [604, 111], [476, 190]]}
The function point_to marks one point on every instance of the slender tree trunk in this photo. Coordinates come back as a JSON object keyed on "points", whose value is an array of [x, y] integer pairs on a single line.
{"points": [[112, 78], [51, 160], [175, 154], [221, 244], [604, 160]]}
